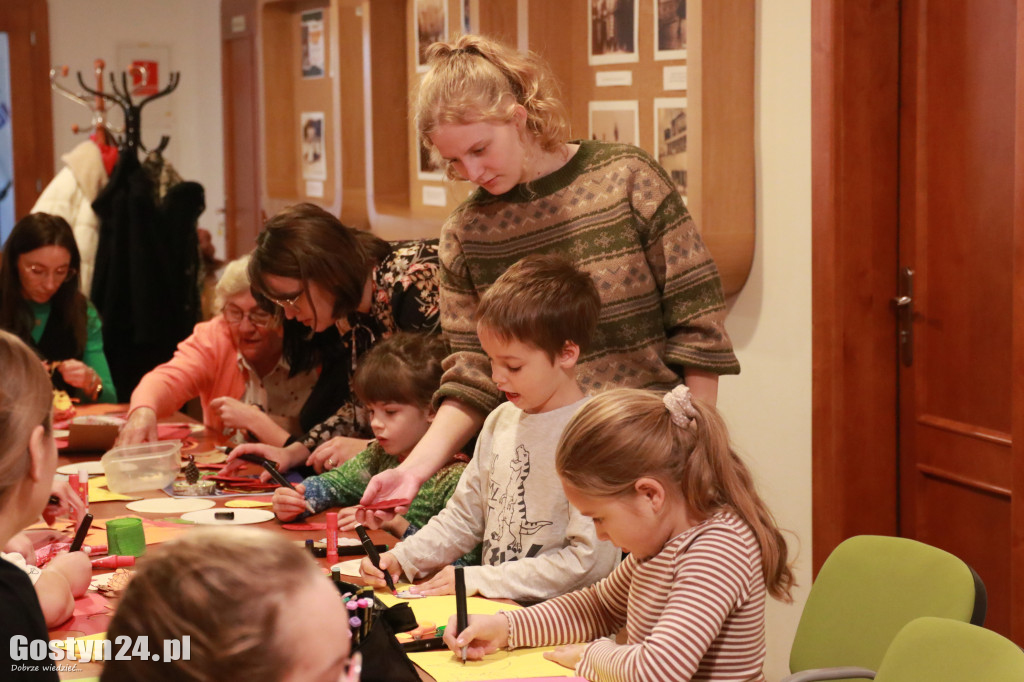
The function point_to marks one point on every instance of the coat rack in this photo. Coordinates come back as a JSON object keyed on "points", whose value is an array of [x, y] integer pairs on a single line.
{"points": [[122, 97], [95, 104]]}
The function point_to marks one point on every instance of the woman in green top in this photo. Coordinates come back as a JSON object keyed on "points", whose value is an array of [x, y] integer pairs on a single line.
{"points": [[41, 302]]}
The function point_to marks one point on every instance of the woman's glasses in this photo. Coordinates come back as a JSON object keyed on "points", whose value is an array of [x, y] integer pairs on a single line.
{"points": [[287, 303], [257, 318]]}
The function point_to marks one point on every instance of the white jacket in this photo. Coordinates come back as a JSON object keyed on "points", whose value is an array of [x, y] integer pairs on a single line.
{"points": [[70, 195]]}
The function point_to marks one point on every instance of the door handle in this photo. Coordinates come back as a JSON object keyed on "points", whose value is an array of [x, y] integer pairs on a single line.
{"points": [[904, 305]]}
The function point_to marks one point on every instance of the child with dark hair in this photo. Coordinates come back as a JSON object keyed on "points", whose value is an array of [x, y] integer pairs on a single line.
{"points": [[395, 382]]}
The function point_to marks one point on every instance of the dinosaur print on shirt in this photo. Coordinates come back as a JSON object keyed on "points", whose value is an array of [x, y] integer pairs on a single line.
{"points": [[508, 504]]}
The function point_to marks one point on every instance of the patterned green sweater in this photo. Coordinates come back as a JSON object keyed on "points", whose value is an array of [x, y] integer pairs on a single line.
{"points": [[614, 211], [344, 485]]}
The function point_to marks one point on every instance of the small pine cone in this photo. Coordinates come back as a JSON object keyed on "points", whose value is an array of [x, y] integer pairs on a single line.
{"points": [[191, 471]]}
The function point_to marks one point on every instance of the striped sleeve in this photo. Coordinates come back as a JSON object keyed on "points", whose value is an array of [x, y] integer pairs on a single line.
{"points": [[581, 616], [686, 633]]}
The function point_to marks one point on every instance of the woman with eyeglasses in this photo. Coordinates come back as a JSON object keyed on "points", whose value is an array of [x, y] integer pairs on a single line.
{"points": [[233, 362], [42, 303], [341, 290]]}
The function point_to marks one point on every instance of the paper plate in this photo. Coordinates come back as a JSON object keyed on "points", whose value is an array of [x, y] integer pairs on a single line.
{"points": [[95, 468], [349, 568], [205, 517], [170, 505]]}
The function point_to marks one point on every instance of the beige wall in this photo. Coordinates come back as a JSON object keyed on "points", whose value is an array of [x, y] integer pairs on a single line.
{"points": [[768, 406]]}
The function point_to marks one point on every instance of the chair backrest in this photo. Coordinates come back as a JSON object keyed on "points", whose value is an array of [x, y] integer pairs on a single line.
{"points": [[869, 588], [944, 650]]}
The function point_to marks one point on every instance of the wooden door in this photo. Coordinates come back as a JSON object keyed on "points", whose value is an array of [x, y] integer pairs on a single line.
{"points": [[243, 202], [26, 24], [918, 162], [957, 97]]}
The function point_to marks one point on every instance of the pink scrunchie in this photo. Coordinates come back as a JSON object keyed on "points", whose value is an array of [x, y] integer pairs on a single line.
{"points": [[680, 407]]}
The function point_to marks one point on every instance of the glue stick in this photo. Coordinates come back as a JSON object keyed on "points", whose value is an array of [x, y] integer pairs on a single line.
{"points": [[80, 484], [332, 537]]}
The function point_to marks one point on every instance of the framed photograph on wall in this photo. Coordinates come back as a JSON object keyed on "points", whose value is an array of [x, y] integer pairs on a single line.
{"points": [[314, 161], [615, 121], [431, 26], [670, 29], [613, 31], [313, 48], [670, 138], [428, 170]]}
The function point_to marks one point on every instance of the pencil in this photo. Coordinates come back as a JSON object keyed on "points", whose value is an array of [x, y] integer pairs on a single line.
{"points": [[461, 610]]}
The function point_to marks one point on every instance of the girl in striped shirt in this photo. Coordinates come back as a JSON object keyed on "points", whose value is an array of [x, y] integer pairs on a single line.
{"points": [[657, 475]]}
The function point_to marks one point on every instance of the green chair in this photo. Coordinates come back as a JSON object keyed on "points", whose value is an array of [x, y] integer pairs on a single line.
{"points": [[867, 590], [944, 650]]}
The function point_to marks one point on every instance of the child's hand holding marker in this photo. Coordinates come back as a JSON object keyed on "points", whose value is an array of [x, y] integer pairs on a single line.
{"points": [[289, 503], [483, 635], [375, 577]]}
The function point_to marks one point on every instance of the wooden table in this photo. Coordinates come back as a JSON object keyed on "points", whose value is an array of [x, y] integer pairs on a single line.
{"points": [[112, 509]]}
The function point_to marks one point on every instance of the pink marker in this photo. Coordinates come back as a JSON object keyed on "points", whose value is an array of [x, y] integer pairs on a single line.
{"points": [[332, 537], [113, 561]]}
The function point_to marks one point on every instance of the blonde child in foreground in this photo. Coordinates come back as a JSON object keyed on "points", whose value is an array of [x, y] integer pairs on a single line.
{"points": [[254, 606], [658, 477], [28, 461], [533, 323]]}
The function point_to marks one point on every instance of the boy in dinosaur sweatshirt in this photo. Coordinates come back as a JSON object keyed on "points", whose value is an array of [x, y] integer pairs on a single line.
{"points": [[533, 323]]}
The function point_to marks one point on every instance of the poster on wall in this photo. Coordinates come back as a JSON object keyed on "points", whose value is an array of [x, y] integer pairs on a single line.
{"points": [[431, 26], [670, 30], [428, 170], [314, 162], [148, 68], [615, 121], [670, 138], [313, 50], [613, 31]]}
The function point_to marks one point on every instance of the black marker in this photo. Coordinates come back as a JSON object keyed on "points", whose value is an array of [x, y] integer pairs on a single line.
{"points": [[83, 528], [271, 468], [461, 610], [429, 644], [371, 552]]}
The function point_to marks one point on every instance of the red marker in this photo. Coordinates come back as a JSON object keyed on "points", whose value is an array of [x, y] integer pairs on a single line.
{"points": [[113, 561], [332, 537]]}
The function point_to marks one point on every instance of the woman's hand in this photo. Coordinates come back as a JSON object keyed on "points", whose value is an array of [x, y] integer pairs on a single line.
{"points": [[140, 427], [568, 655], [78, 374], [234, 413], [373, 577], [393, 484], [289, 504], [285, 458], [335, 452], [483, 635], [443, 582], [68, 502]]}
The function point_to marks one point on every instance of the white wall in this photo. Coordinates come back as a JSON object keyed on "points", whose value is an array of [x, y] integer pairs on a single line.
{"points": [[768, 406], [82, 31]]}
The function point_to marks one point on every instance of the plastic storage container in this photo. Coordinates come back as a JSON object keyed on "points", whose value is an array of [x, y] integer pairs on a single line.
{"points": [[146, 466]]}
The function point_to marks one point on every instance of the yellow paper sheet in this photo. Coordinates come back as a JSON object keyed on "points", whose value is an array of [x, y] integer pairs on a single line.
{"points": [[443, 665], [245, 504], [98, 491], [501, 665]]}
